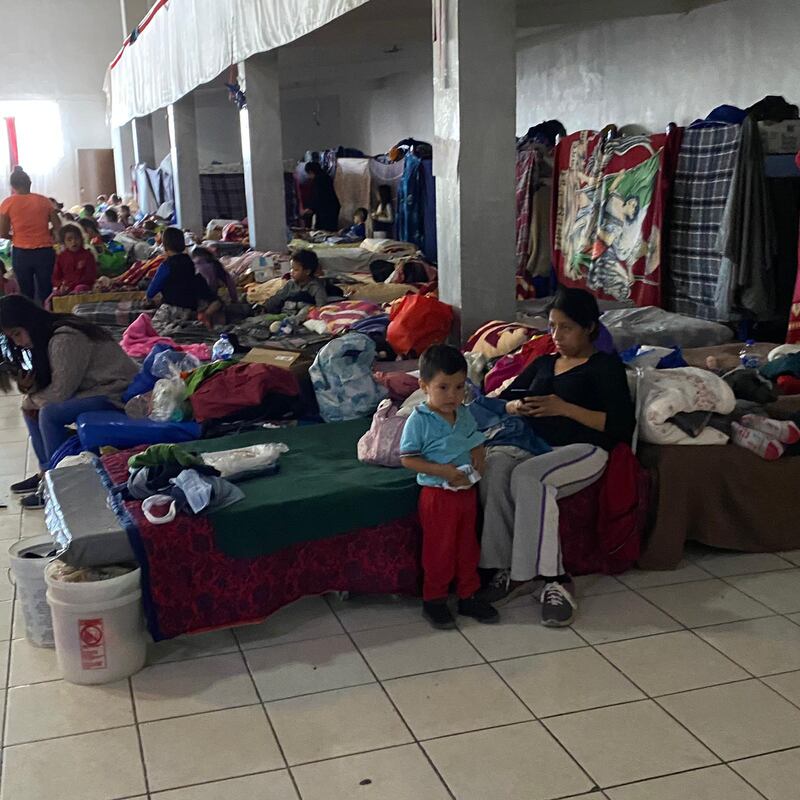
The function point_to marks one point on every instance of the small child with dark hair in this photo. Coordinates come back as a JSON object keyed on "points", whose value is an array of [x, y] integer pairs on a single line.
{"points": [[76, 266], [184, 294], [91, 233], [302, 292], [88, 211], [442, 444], [358, 230]]}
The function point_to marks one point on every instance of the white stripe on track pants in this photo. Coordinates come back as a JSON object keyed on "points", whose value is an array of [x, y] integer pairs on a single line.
{"points": [[519, 493]]}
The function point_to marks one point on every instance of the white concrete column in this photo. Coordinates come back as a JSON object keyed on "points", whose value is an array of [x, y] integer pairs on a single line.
{"points": [[122, 142], [474, 104], [144, 150], [185, 165], [262, 151]]}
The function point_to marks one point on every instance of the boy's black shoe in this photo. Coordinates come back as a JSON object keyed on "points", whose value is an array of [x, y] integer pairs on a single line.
{"points": [[33, 501], [479, 610], [438, 614], [27, 486]]}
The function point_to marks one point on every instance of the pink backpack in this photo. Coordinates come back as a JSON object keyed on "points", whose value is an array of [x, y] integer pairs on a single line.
{"points": [[380, 445]]}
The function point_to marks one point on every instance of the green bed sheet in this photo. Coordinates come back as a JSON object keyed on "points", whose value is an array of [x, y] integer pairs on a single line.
{"points": [[322, 490]]}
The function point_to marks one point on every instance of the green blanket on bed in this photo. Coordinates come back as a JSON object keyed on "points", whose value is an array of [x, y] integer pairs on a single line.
{"points": [[322, 490]]}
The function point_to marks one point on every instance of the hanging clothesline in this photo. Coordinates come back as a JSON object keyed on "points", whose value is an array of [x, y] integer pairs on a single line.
{"points": [[182, 44]]}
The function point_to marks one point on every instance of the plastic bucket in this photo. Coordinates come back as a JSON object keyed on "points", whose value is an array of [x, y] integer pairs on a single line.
{"points": [[99, 627], [27, 574]]}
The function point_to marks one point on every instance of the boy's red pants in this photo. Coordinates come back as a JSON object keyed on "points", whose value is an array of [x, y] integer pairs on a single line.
{"points": [[450, 547]]}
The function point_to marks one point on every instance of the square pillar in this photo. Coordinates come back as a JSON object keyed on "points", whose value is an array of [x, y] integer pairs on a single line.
{"points": [[474, 106], [144, 150], [262, 151], [185, 167], [122, 143]]}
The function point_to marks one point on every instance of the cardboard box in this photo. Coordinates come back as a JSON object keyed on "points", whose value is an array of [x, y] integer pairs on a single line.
{"points": [[286, 359]]}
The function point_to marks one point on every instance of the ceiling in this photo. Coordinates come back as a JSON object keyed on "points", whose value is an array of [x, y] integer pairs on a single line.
{"points": [[386, 37]]}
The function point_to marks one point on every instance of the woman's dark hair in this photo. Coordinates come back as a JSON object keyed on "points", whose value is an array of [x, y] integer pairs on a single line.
{"points": [[441, 358], [173, 240], [308, 260], [20, 180], [313, 168], [204, 254], [70, 228], [17, 311], [111, 215], [385, 194], [579, 306]]}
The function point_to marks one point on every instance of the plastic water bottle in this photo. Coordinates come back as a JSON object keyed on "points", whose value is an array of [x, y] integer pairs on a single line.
{"points": [[748, 356], [223, 349]]}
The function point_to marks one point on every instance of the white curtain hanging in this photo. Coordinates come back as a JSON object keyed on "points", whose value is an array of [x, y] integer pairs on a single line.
{"points": [[183, 44]]}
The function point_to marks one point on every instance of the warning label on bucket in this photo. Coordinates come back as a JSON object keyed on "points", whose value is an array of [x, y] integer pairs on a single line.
{"points": [[93, 643]]}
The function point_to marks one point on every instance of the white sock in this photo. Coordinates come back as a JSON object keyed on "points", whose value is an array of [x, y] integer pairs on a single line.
{"points": [[782, 430], [757, 442]]}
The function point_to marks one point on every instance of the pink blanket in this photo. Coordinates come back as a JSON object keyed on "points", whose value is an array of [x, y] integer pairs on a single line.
{"points": [[140, 336]]}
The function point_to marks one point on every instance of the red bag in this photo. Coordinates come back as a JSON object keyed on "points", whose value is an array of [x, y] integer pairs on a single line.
{"points": [[417, 323], [601, 527], [240, 387]]}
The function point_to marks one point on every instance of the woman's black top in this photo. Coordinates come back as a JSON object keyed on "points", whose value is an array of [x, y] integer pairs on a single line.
{"points": [[599, 385]]}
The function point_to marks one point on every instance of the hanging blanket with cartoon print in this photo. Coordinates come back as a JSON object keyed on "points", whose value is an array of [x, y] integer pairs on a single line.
{"points": [[608, 213]]}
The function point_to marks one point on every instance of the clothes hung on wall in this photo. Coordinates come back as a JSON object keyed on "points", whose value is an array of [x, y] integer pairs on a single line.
{"points": [[722, 241], [608, 213]]}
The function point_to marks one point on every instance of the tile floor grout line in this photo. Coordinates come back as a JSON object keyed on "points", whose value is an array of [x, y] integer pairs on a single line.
{"points": [[267, 717], [752, 597], [513, 691], [394, 705], [214, 780], [68, 735], [139, 736]]}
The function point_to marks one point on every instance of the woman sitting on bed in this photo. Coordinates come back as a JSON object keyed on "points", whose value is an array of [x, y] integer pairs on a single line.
{"points": [[578, 401], [65, 366]]}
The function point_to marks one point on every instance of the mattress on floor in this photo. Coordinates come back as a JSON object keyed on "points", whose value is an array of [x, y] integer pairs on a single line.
{"points": [[113, 312], [322, 490], [67, 303], [339, 257], [80, 519]]}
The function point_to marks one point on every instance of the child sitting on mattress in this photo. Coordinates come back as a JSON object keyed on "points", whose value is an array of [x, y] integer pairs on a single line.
{"points": [[184, 294], [76, 267], [358, 230], [208, 266], [302, 292], [442, 444]]}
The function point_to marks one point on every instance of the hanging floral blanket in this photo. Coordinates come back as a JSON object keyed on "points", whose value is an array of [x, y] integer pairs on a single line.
{"points": [[608, 213]]}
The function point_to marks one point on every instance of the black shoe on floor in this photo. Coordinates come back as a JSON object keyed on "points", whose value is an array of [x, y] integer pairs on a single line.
{"points": [[438, 614], [478, 609], [27, 486], [558, 606], [33, 501]]}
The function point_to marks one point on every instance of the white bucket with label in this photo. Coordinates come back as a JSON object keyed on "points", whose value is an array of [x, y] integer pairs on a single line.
{"points": [[98, 626], [27, 574]]}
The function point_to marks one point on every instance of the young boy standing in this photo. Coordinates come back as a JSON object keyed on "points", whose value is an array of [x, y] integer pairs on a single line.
{"points": [[442, 444]]}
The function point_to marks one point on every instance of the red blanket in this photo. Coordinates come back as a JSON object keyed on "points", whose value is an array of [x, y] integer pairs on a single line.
{"points": [[608, 213]]}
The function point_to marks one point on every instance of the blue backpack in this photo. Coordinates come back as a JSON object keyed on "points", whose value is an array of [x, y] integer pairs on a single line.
{"points": [[342, 379]]}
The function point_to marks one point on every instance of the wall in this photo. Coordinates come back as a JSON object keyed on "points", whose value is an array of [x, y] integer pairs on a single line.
{"points": [[59, 52], [393, 108], [310, 123], [219, 136], [654, 70]]}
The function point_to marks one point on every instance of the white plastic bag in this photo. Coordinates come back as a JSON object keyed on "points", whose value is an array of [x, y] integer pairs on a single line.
{"points": [[244, 462], [171, 363], [169, 395]]}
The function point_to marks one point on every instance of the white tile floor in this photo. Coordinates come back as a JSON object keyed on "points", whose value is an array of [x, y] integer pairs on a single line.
{"points": [[669, 686]]}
